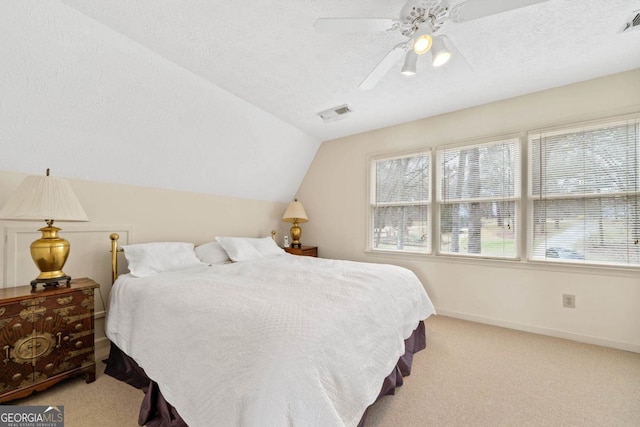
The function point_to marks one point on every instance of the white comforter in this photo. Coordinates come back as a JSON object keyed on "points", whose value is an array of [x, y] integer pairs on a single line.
{"points": [[281, 341]]}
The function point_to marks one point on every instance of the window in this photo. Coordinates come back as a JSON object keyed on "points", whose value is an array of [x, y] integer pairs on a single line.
{"points": [[584, 190], [478, 199], [400, 203], [582, 204]]}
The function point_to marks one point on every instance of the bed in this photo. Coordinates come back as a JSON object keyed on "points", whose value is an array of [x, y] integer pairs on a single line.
{"points": [[244, 334]]}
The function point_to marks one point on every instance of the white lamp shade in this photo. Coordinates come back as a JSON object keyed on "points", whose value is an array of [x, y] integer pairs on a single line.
{"points": [[295, 213], [440, 53], [40, 198], [422, 44], [409, 66]]}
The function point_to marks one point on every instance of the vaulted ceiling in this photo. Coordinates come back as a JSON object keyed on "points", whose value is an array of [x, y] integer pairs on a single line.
{"points": [[268, 53], [143, 92]]}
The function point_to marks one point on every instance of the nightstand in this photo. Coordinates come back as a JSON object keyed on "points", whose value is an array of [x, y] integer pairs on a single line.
{"points": [[45, 337], [304, 251]]}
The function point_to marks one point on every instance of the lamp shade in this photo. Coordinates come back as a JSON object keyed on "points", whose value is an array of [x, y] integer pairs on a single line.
{"points": [[41, 198], [409, 66], [440, 53], [422, 44], [295, 213]]}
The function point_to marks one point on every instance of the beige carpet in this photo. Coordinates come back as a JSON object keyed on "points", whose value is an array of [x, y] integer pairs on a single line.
{"points": [[469, 375]]}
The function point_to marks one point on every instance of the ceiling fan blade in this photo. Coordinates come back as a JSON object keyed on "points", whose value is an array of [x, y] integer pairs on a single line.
{"points": [[474, 9], [384, 66], [353, 25]]}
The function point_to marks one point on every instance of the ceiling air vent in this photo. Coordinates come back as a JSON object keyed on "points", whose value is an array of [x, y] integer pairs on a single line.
{"points": [[335, 113], [633, 23]]}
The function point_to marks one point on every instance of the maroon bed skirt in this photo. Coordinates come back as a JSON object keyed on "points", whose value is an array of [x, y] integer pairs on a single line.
{"points": [[157, 412]]}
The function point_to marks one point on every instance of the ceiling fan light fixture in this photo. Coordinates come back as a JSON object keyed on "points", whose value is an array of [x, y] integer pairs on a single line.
{"points": [[422, 43], [421, 23], [409, 66], [440, 54]]}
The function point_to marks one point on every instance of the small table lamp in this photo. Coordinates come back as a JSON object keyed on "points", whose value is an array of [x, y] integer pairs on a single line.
{"points": [[49, 199], [295, 213]]}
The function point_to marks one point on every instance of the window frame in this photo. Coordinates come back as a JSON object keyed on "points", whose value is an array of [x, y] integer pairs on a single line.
{"points": [[586, 126], [371, 205], [439, 200], [524, 209]]}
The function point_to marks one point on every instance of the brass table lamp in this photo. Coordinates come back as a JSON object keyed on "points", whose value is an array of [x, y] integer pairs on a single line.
{"points": [[295, 213], [49, 199]]}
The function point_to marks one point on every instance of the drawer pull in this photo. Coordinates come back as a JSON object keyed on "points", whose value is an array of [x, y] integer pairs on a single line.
{"points": [[65, 300], [59, 335], [6, 354]]}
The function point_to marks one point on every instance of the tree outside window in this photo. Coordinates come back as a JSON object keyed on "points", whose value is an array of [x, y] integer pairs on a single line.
{"points": [[400, 203], [478, 199]]}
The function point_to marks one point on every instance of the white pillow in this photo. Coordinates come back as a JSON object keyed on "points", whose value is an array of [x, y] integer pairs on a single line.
{"points": [[239, 248], [148, 259], [212, 253], [249, 248], [267, 246]]}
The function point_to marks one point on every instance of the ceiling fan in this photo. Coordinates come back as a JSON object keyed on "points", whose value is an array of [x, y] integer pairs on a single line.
{"points": [[422, 23]]}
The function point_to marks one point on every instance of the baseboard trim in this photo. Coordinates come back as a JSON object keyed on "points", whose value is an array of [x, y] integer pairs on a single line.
{"points": [[620, 345], [102, 348]]}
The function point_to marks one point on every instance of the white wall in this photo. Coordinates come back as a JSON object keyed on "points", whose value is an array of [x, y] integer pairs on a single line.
{"points": [[89, 103], [512, 294]]}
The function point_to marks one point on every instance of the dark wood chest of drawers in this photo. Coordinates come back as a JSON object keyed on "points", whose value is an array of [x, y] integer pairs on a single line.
{"points": [[45, 337]]}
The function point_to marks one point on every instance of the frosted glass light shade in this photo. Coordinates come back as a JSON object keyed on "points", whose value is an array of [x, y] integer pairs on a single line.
{"points": [[422, 42], [440, 53], [40, 198], [409, 66], [295, 213]]}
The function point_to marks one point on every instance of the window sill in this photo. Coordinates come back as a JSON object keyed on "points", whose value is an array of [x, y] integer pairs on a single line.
{"points": [[560, 267]]}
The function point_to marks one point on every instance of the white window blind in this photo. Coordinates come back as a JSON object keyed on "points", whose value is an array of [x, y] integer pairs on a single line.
{"points": [[400, 203], [584, 189], [478, 198]]}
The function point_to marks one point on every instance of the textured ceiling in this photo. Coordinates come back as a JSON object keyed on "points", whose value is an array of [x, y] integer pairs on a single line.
{"points": [[222, 97], [87, 102], [267, 53]]}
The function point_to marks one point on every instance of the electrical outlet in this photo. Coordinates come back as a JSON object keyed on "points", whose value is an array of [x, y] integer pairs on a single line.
{"points": [[568, 301]]}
